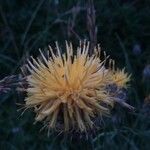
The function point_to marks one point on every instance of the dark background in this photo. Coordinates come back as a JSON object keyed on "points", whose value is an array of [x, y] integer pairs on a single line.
{"points": [[122, 27]]}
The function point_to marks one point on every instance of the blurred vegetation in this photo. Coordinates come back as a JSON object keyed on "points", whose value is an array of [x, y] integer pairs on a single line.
{"points": [[123, 29]]}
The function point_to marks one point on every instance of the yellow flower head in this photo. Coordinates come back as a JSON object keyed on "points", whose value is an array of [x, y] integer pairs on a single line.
{"points": [[67, 91], [120, 78]]}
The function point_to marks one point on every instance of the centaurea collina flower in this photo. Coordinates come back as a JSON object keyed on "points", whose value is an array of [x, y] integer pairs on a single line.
{"points": [[67, 91]]}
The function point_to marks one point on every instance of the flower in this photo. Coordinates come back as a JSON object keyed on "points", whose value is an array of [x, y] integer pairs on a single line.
{"points": [[146, 72], [120, 78], [67, 91], [137, 49]]}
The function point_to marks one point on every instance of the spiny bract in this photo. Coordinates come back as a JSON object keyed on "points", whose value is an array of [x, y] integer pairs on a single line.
{"points": [[67, 91]]}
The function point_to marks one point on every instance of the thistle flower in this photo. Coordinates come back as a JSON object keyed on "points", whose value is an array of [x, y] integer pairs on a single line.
{"points": [[120, 78], [67, 91], [146, 72], [137, 49]]}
